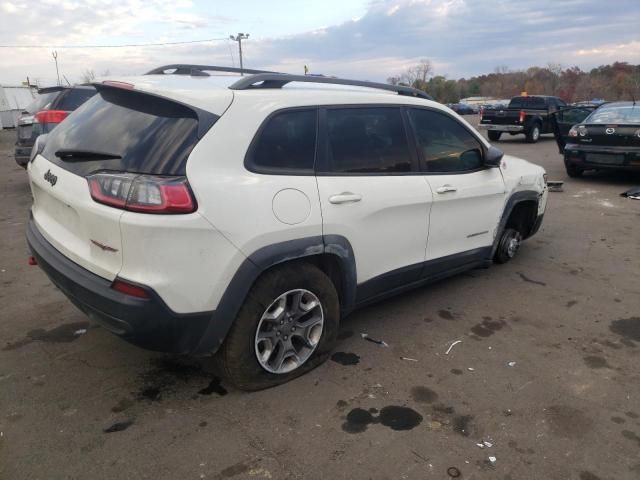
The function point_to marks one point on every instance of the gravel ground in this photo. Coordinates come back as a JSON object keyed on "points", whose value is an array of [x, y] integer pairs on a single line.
{"points": [[547, 371]]}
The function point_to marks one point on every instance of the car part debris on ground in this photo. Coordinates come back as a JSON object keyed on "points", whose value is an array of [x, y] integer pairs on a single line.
{"points": [[453, 472], [555, 186], [632, 193], [373, 340], [451, 346], [409, 359]]}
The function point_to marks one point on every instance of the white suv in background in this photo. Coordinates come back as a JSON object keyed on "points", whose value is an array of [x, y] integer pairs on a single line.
{"points": [[244, 216]]}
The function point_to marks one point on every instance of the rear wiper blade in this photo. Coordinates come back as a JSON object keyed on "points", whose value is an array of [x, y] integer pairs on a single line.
{"points": [[71, 155]]}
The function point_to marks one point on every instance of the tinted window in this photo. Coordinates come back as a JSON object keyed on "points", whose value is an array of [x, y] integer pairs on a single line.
{"points": [[73, 98], [446, 145], [288, 141], [527, 102], [366, 140], [151, 134], [40, 102]]}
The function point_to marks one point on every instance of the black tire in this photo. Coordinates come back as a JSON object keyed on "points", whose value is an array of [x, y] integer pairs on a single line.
{"points": [[573, 170], [533, 134], [506, 249], [494, 136], [237, 357]]}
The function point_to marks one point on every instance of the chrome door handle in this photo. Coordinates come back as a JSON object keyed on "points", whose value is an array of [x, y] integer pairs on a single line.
{"points": [[446, 188], [345, 197]]}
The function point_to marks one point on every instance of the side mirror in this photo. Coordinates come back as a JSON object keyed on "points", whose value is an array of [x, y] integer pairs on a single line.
{"points": [[493, 157]]}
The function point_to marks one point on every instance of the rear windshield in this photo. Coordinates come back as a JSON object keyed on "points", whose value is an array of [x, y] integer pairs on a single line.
{"points": [[527, 102], [616, 114], [151, 135], [40, 102], [73, 98]]}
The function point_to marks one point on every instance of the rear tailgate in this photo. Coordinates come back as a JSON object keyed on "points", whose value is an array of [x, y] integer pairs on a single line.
{"points": [[117, 131], [64, 212], [500, 117]]}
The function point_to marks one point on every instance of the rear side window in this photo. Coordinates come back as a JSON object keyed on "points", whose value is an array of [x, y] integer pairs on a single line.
{"points": [[133, 131], [366, 140], [73, 98], [446, 145], [286, 143]]}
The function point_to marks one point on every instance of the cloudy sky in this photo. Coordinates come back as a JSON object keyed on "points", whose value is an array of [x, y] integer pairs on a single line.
{"points": [[351, 38]]}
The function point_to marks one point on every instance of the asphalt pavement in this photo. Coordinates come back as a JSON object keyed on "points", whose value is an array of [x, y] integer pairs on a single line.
{"points": [[545, 383]]}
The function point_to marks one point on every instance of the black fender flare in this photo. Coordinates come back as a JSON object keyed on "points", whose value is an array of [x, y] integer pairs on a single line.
{"points": [[514, 199], [262, 260]]}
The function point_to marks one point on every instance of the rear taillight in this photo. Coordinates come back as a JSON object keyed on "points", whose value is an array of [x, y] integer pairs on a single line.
{"points": [[142, 193], [51, 116], [481, 113], [522, 114], [130, 289]]}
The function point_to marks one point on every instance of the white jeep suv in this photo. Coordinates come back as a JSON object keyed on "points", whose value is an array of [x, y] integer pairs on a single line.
{"points": [[244, 216]]}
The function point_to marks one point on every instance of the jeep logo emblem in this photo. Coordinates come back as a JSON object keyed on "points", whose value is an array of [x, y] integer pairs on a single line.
{"points": [[610, 131], [50, 177]]}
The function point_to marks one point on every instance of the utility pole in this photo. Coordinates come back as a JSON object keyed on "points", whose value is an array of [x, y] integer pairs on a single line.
{"points": [[54, 54], [238, 38]]}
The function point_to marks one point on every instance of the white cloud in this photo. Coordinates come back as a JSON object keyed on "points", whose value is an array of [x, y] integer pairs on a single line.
{"points": [[460, 37]]}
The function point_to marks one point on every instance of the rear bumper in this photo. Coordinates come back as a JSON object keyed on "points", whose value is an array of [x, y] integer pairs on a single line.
{"points": [[22, 155], [502, 128], [584, 156], [149, 324]]}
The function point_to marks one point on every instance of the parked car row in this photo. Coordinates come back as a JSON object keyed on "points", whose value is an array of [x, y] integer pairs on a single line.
{"points": [[238, 217], [51, 106]]}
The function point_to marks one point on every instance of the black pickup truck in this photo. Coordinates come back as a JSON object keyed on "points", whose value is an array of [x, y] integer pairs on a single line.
{"points": [[530, 115]]}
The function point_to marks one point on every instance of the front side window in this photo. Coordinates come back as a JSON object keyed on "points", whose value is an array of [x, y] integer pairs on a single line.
{"points": [[287, 142], [367, 140], [446, 145]]}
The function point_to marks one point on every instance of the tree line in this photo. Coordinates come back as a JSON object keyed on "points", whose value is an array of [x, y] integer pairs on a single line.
{"points": [[618, 81]]}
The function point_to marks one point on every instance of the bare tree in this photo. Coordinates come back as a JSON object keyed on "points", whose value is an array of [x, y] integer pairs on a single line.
{"points": [[88, 76], [417, 76]]}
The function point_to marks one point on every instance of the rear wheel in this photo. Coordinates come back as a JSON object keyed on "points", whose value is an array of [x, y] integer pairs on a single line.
{"points": [[533, 134], [508, 246], [573, 170], [286, 327], [494, 136]]}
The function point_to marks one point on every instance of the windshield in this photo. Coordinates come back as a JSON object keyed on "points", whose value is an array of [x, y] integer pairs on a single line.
{"points": [[615, 114]]}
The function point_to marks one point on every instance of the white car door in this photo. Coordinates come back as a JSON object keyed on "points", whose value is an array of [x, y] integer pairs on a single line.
{"points": [[468, 198], [372, 194]]}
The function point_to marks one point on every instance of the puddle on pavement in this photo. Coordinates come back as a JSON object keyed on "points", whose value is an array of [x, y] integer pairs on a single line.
{"points": [[344, 358], [628, 328], [65, 333], [395, 417]]}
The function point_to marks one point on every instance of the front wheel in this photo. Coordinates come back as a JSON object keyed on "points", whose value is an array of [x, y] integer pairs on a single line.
{"points": [[494, 136], [286, 327], [533, 134], [508, 246]]}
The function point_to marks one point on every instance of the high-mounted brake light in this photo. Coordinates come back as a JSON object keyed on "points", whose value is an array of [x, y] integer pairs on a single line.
{"points": [[142, 193], [115, 83], [522, 115], [50, 116], [129, 289]]}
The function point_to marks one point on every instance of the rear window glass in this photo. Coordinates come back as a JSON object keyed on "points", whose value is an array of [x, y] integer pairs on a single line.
{"points": [[40, 102], [616, 114], [527, 102], [366, 140], [287, 142], [150, 134], [73, 98]]}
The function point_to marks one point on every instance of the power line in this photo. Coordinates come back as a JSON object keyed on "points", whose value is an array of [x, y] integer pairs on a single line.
{"points": [[116, 46]]}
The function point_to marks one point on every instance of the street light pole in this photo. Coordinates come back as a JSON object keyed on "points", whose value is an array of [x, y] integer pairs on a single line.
{"points": [[238, 38], [54, 54]]}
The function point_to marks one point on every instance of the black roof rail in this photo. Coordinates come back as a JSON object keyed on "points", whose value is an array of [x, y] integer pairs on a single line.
{"points": [[201, 70], [278, 80]]}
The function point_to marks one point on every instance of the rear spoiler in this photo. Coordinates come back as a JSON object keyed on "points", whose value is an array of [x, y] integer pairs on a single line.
{"points": [[51, 89]]}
